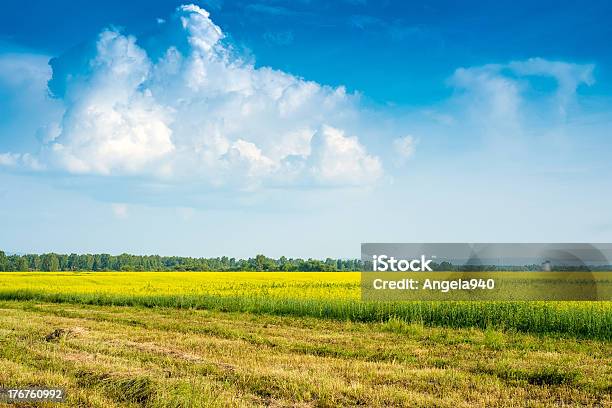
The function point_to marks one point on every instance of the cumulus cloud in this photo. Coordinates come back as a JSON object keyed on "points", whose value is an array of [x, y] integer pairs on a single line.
{"points": [[113, 126], [184, 106], [341, 159]]}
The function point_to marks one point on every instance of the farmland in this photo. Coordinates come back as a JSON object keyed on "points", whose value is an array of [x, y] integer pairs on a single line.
{"points": [[243, 339]]}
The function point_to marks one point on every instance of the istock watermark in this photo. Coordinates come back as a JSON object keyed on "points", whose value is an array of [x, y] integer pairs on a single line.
{"points": [[486, 271], [383, 263]]}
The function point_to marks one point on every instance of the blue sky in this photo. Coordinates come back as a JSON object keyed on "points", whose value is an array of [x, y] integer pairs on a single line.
{"points": [[353, 43], [302, 128]]}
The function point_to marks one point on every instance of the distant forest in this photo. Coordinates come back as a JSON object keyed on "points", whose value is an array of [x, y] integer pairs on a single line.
{"points": [[127, 262]]}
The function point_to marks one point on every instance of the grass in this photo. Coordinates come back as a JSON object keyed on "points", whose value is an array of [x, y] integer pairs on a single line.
{"points": [[107, 356], [299, 339]]}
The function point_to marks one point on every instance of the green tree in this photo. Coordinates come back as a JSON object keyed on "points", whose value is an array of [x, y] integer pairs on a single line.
{"points": [[49, 262], [3, 261], [22, 264], [72, 263], [260, 262]]}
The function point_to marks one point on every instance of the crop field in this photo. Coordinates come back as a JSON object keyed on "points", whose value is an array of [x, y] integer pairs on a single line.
{"points": [[330, 295], [282, 339]]}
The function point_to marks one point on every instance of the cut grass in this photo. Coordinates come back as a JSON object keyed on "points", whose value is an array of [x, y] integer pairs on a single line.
{"points": [[306, 339], [186, 358]]}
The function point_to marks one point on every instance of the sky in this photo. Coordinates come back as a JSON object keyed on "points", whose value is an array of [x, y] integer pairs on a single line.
{"points": [[302, 128]]}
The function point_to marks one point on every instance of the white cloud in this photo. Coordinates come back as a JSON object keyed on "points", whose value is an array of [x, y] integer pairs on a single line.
{"points": [[112, 125], [568, 76], [497, 89], [48, 132], [183, 110], [9, 159], [25, 160], [195, 111], [493, 95], [28, 71], [502, 105], [340, 159]]}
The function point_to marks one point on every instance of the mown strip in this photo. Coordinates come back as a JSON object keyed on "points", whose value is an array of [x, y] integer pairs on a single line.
{"points": [[580, 319]]}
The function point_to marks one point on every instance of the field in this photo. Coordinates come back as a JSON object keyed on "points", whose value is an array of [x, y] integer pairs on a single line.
{"points": [[274, 339]]}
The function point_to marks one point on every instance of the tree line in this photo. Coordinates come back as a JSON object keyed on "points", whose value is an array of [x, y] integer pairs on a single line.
{"points": [[127, 262]]}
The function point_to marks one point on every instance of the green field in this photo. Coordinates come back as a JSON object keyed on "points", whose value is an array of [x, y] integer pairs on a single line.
{"points": [[277, 339]]}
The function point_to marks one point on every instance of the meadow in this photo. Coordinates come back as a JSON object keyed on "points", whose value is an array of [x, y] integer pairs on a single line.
{"points": [[172, 339]]}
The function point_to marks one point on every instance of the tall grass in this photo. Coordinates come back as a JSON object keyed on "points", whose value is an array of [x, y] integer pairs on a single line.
{"points": [[581, 319]]}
